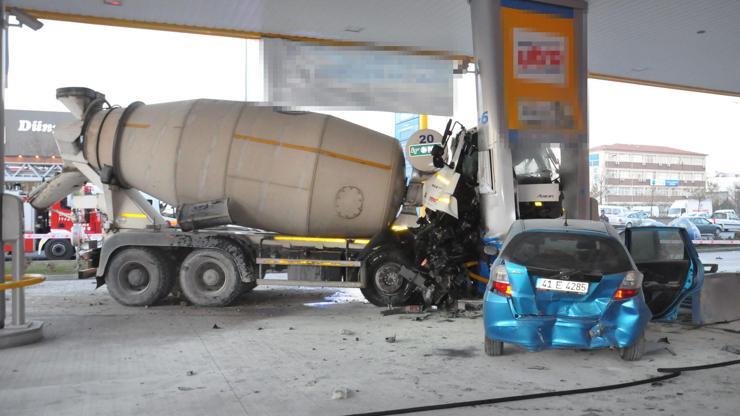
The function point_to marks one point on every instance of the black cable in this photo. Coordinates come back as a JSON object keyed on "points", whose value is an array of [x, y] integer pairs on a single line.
{"points": [[671, 373], [519, 398], [698, 367]]}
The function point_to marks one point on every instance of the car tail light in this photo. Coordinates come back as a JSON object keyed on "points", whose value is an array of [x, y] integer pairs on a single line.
{"points": [[625, 293], [501, 281], [631, 285]]}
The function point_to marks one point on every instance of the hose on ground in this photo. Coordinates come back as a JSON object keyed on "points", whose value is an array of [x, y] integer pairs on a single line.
{"points": [[670, 373]]}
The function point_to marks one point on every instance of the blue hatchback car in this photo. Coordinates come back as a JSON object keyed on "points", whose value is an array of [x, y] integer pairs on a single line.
{"points": [[575, 284]]}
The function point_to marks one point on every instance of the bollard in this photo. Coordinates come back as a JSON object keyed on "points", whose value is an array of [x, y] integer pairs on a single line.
{"points": [[18, 294]]}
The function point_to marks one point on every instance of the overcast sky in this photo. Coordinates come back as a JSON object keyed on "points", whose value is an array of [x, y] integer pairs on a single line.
{"points": [[152, 66]]}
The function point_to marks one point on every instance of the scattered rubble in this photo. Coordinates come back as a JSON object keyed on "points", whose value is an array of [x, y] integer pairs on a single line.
{"points": [[731, 348], [391, 339], [340, 393]]}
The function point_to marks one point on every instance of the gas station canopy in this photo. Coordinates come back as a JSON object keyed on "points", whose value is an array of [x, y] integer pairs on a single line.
{"points": [[685, 44]]}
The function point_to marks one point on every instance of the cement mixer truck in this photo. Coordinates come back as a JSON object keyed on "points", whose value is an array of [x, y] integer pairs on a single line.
{"points": [[262, 190]]}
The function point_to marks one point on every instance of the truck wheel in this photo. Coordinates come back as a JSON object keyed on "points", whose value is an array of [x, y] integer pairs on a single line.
{"points": [[210, 276], [385, 286], [494, 348], [139, 276], [58, 249], [635, 351]]}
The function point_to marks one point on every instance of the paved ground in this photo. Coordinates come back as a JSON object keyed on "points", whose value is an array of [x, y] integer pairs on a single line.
{"points": [[283, 352], [728, 261]]}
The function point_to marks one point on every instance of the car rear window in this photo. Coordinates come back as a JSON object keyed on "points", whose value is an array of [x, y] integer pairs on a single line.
{"points": [[592, 255]]}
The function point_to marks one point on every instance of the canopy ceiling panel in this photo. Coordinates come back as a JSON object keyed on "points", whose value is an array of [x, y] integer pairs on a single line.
{"points": [[692, 44]]}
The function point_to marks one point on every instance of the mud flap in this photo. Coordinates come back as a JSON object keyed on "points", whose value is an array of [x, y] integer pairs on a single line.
{"points": [[717, 300]]}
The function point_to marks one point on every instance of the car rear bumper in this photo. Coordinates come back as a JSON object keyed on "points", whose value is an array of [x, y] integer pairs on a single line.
{"points": [[619, 326]]}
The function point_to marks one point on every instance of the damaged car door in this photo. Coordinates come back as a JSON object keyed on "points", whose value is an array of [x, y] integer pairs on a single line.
{"points": [[670, 265]]}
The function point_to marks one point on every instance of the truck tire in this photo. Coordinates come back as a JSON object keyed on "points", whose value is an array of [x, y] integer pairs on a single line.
{"points": [[58, 249], [384, 285], [493, 348], [139, 276], [210, 276], [635, 351]]}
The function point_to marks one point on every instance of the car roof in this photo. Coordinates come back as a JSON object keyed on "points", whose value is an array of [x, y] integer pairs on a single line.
{"points": [[559, 225]]}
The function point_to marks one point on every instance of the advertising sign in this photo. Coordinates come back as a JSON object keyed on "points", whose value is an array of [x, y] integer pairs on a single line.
{"points": [[541, 89]]}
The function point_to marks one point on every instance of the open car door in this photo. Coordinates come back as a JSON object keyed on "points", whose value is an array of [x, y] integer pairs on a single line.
{"points": [[670, 264]]}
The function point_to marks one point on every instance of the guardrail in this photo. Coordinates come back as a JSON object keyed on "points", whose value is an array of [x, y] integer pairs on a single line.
{"points": [[716, 242], [18, 297]]}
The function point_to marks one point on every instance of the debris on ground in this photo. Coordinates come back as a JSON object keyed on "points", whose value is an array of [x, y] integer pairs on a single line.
{"points": [[215, 326], [470, 305], [456, 352], [346, 332], [731, 348], [659, 345], [402, 310], [422, 317], [390, 339], [340, 393], [190, 373]]}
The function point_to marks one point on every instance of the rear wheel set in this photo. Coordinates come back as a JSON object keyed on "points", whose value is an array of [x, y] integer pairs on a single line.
{"points": [[210, 276], [140, 276], [206, 277]]}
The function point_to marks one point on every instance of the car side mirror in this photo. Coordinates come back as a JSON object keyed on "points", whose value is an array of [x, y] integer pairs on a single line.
{"points": [[491, 250]]}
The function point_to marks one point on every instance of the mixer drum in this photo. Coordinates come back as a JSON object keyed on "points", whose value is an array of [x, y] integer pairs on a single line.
{"points": [[293, 173]]}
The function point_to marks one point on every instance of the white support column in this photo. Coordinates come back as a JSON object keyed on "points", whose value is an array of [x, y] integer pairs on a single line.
{"points": [[495, 170]]}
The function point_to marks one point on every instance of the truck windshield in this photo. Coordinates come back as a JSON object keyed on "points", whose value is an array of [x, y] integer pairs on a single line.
{"points": [[591, 255]]}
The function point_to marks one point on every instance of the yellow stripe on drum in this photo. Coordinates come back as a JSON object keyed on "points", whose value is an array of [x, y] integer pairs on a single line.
{"points": [[313, 150]]}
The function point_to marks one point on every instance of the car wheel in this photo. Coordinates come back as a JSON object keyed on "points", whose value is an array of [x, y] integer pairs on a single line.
{"points": [[385, 286], [139, 276], [628, 225], [635, 351], [494, 348], [717, 232], [58, 250]]}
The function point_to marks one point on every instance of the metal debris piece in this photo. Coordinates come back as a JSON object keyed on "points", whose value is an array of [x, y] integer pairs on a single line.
{"points": [[402, 310], [215, 326], [340, 393], [731, 348], [391, 339], [346, 332]]}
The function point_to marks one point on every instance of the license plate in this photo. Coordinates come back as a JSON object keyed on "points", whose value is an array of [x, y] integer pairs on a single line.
{"points": [[562, 285]]}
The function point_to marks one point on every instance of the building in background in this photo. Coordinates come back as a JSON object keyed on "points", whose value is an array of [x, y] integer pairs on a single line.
{"points": [[31, 155], [640, 175]]}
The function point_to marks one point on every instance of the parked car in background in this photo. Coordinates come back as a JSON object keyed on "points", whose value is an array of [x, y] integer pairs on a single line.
{"points": [[652, 210], [685, 223], [613, 212], [706, 227], [727, 219], [634, 219], [689, 206], [573, 284], [649, 222]]}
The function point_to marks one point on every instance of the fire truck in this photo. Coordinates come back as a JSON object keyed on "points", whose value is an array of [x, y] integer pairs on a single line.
{"points": [[57, 232]]}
